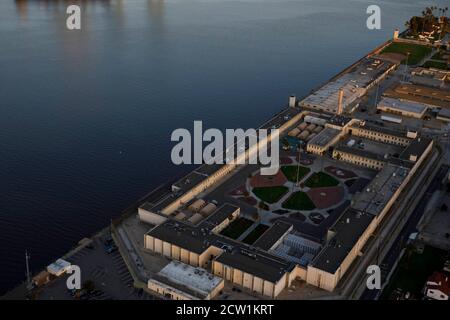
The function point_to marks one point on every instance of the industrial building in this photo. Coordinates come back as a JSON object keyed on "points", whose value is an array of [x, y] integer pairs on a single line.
{"points": [[402, 107], [338, 95], [431, 77], [432, 97]]}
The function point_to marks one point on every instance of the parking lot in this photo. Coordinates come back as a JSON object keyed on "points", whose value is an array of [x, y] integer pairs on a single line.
{"points": [[106, 272]]}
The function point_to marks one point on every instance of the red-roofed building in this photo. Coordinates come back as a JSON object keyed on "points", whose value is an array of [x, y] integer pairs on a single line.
{"points": [[438, 286]]}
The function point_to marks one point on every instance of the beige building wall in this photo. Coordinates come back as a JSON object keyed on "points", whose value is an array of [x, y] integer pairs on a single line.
{"points": [[401, 112], [379, 136], [358, 160], [150, 217], [209, 255], [227, 221], [158, 246], [193, 259], [249, 281], [321, 279], [176, 294], [167, 291], [184, 256], [176, 253]]}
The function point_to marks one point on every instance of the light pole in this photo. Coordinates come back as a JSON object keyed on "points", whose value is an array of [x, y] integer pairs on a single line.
{"points": [[298, 165], [376, 95], [406, 66], [27, 257]]}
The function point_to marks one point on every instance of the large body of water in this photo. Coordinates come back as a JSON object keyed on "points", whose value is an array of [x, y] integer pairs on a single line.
{"points": [[86, 116]]}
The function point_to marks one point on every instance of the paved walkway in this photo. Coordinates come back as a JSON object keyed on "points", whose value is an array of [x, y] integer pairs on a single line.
{"points": [[318, 165]]}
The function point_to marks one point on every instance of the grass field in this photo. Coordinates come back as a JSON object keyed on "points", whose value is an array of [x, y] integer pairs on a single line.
{"points": [[290, 172], [436, 65], [413, 271], [270, 194], [417, 52], [321, 179], [236, 228], [299, 201], [255, 234]]}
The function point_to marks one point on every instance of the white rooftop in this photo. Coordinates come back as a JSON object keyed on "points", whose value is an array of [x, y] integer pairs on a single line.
{"points": [[58, 267], [403, 105], [196, 279]]}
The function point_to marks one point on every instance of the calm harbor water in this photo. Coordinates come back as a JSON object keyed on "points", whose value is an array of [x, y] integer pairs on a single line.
{"points": [[86, 116]]}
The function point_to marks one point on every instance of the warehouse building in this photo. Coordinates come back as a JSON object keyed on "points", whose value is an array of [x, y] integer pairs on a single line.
{"points": [[433, 97], [339, 94], [431, 77], [402, 107]]}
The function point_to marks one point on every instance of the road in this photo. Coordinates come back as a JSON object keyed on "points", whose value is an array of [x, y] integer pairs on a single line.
{"points": [[393, 254]]}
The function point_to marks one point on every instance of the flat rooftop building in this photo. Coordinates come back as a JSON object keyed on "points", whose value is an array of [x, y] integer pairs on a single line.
{"points": [[264, 266], [348, 230], [274, 235], [444, 115], [324, 137], [380, 190], [402, 107], [434, 97], [180, 281], [431, 77], [354, 84]]}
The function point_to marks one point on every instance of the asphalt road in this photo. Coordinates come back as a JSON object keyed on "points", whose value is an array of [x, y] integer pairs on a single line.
{"points": [[410, 226]]}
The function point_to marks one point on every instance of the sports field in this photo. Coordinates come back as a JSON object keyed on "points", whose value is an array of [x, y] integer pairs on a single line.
{"points": [[417, 52]]}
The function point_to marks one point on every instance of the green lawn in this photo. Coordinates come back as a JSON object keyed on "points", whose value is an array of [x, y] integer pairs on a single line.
{"points": [[290, 172], [236, 228], [299, 201], [321, 179], [255, 234], [414, 270], [436, 65], [417, 52], [270, 194]]}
